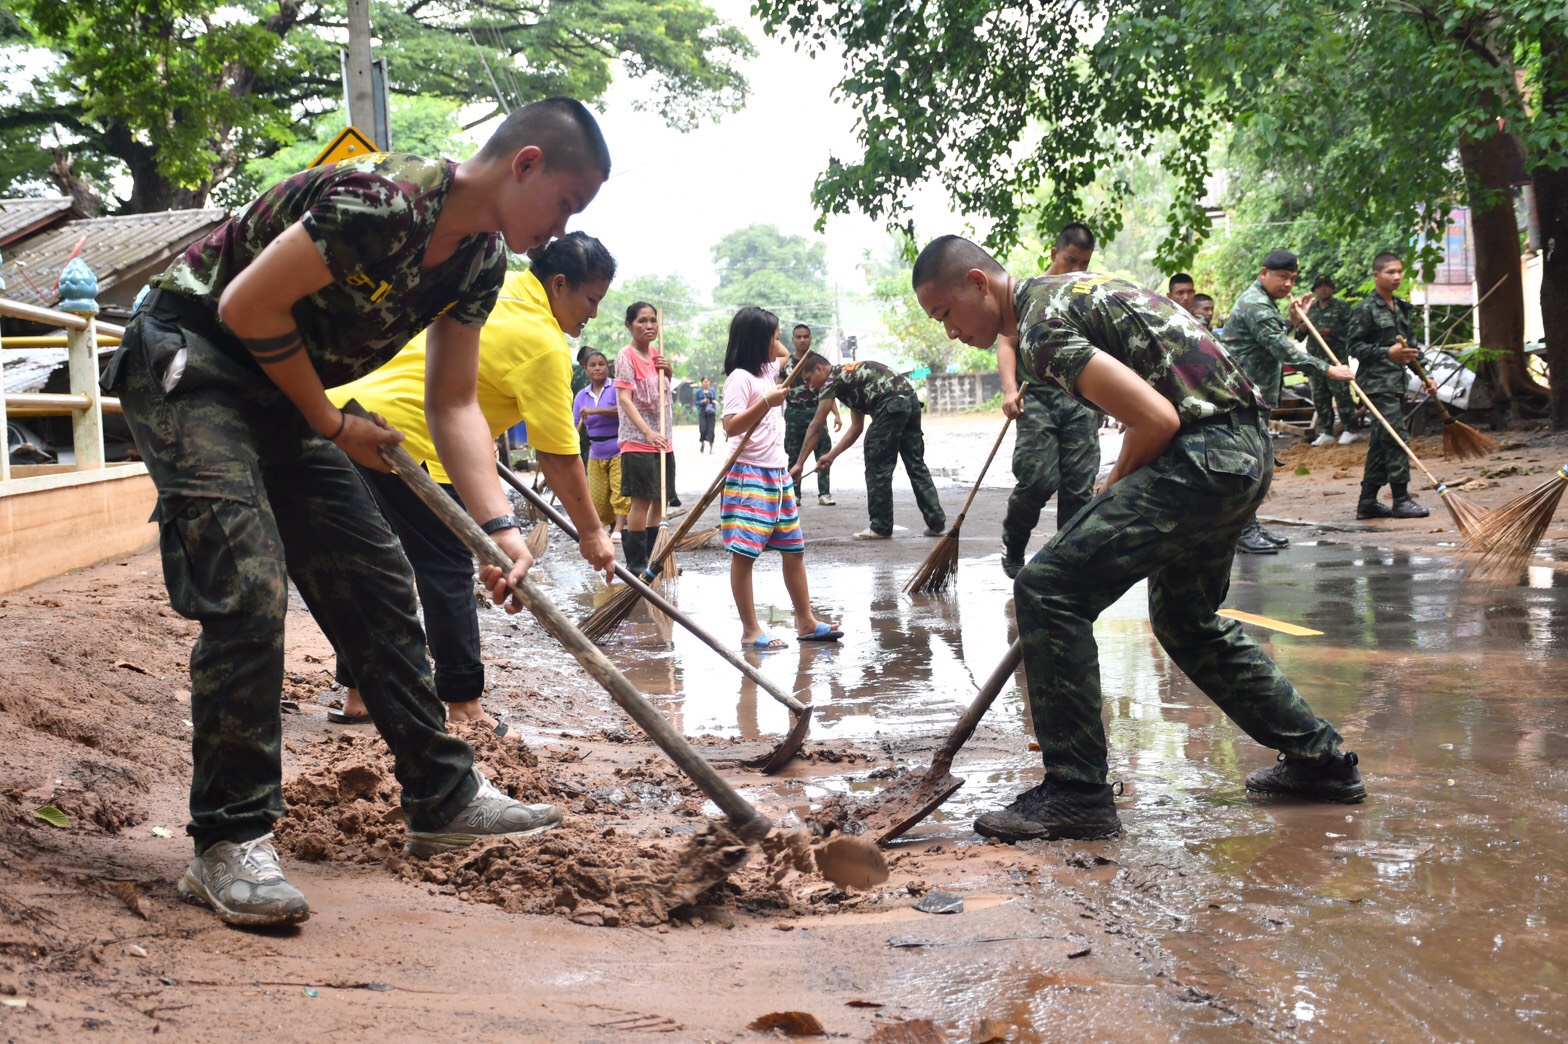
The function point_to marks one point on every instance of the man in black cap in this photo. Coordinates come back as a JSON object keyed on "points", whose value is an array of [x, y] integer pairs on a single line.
{"points": [[1256, 336], [1331, 316]]}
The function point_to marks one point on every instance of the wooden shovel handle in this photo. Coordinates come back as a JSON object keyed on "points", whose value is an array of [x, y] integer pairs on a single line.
{"points": [[744, 819], [1022, 388], [976, 710]]}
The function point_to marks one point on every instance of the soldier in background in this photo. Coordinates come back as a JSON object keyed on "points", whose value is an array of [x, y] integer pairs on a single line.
{"points": [[800, 406], [1256, 336], [1057, 446], [1195, 465], [1203, 308], [319, 281], [872, 390], [1373, 337], [1331, 316], [1183, 291]]}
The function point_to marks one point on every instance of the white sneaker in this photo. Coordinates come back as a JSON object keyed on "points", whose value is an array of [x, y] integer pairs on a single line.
{"points": [[826, 500], [1347, 438], [871, 534], [244, 885], [490, 814], [1324, 439]]}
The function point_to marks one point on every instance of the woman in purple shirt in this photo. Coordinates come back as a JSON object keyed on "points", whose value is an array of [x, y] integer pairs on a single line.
{"points": [[595, 409]]}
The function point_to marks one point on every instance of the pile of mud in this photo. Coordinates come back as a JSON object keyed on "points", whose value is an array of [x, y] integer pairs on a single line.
{"points": [[600, 867]]}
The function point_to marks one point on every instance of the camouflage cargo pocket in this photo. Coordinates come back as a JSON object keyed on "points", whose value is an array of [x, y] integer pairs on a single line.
{"points": [[209, 524]]}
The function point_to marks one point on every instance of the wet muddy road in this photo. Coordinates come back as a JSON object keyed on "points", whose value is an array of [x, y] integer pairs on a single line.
{"points": [[1436, 908]]}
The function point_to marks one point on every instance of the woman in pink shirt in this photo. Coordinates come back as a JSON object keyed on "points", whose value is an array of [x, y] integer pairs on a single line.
{"points": [[641, 381], [758, 509]]}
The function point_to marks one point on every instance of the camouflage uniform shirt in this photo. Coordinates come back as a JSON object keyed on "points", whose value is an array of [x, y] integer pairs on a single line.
{"points": [[1373, 329], [867, 387], [798, 398], [371, 219], [1064, 320], [1256, 335], [1332, 321]]}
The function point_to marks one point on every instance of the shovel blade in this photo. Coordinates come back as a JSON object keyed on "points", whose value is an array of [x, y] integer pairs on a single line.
{"points": [[906, 802], [771, 764]]}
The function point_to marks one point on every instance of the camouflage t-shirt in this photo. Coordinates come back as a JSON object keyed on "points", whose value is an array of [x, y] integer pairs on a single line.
{"points": [[798, 398], [371, 219], [867, 387], [1257, 338], [1064, 320]]}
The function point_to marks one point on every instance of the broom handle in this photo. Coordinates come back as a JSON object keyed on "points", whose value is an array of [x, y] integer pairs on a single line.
{"points": [[976, 710], [987, 465], [1448, 418], [718, 483], [1375, 411], [744, 819], [564, 524], [664, 491], [1442, 337]]}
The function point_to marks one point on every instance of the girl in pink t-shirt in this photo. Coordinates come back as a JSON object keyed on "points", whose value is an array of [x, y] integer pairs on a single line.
{"points": [[758, 509]]}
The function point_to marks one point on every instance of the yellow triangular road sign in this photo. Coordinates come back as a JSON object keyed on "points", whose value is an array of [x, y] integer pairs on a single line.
{"points": [[351, 143]]}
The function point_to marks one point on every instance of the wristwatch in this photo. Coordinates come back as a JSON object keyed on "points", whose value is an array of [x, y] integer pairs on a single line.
{"points": [[500, 522]]}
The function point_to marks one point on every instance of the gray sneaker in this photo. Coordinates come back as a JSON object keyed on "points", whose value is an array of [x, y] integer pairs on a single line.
{"points": [[244, 885], [490, 814]]}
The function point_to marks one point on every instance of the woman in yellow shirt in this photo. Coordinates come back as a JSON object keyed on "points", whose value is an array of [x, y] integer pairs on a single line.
{"points": [[525, 371]]}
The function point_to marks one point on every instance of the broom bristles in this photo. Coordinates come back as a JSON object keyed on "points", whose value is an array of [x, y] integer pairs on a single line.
{"points": [[937, 571], [611, 613], [1467, 517], [1462, 442], [538, 539], [701, 538], [1504, 542]]}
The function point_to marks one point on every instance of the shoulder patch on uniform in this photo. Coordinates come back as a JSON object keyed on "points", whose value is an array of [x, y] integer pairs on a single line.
{"points": [[1083, 286]]}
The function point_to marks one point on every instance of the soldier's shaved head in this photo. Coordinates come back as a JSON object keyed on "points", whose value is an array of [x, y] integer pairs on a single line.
{"points": [[562, 128], [947, 259]]}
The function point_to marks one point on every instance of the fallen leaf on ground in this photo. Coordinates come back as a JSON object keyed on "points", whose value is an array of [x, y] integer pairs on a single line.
{"points": [[790, 1023], [859, 1003], [53, 816], [126, 893], [127, 665]]}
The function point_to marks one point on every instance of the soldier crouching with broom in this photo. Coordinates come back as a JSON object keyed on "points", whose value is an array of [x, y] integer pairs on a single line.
{"points": [[1194, 466]]}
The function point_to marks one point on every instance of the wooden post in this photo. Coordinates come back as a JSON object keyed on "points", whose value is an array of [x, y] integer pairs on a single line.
{"points": [[79, 296]]}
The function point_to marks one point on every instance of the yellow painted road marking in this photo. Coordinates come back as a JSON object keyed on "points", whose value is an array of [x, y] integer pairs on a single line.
{"points": [[1269, 622]]}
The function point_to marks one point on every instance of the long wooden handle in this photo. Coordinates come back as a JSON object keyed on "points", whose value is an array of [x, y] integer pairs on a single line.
{"points": [[744, 819], [718, 483], [989, 458], [1426, 377], [564, 524], [976, 710], [1442, 338], [1375, 411]]}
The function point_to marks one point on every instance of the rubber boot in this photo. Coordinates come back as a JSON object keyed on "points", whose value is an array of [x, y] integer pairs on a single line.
{"points": [[650, 540], [636, 551], [1369, 506], [1406, 506]]}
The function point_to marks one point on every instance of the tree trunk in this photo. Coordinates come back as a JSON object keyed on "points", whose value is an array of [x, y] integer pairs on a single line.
{"points": [[1551, 200], [1496, 234]]}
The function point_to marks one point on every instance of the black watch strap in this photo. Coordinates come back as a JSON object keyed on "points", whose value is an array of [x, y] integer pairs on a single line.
{"points": [[500, 522]]}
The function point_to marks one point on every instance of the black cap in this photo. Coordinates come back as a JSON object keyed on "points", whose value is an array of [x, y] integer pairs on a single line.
{"points": [[1281, 261], [1322, 280]]}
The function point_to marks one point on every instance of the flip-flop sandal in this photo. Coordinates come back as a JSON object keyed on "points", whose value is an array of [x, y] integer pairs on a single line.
{"points": [[823, 633], [337, 717], [765, 642], [501, 729]]}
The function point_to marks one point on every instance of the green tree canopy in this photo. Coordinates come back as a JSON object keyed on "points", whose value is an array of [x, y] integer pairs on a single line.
{"points": [[178, 94], [787, 275]]}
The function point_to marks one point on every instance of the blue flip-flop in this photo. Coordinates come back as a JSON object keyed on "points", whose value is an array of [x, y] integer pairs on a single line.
{"points": [[823, 633], [766, 642]]}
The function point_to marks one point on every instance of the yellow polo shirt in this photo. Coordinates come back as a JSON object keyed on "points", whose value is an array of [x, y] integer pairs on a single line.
{"points": [[525, 374]]}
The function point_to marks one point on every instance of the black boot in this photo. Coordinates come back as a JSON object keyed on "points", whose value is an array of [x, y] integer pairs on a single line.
{"points": [[1406, 506], [1082, 811], [636, 551], [1272, 537], [650, 540], [1333, 777], [1252, 542], [1012, 562], [1369, 506]]}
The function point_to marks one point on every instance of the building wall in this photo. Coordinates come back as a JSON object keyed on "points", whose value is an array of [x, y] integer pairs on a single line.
{"points": [[953, 392], [51, 524]]}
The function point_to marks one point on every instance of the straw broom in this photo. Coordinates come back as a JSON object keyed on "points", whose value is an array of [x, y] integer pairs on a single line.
{"points": [[701, 538], [614, 610], [1501, 545], [1467, 517], [1460, 440], [937, 571]]}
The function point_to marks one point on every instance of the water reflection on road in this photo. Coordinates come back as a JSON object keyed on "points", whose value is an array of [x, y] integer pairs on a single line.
{"points": [[1438, 907]]}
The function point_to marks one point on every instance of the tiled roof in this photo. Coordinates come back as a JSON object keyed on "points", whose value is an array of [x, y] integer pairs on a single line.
{"points": [[111, 246], [18, 217]]}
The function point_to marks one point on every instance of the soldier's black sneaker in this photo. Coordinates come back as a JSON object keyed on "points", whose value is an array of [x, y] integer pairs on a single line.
{"points": [[1273, 538], [1408, 507], [1012, 565], [1334, 777], [1253, 543], [1373, 508], [1080, 811]]}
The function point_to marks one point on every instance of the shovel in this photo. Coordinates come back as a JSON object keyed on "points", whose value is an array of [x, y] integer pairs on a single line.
{"points": [[769, 763], [852, 865], [911, 798]]}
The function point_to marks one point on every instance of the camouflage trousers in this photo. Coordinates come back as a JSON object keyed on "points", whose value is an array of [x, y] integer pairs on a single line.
{"points": [[895, 434], [1174, 522], [1329, 396], [1057, 451], [1387, 464], [795, 424], [249, 497]]}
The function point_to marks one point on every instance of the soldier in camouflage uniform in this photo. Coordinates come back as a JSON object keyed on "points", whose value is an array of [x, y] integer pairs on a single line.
{"points": [[1195, 464], [1376, 326], [1056, 445], [1259, 341], [872, 390], [320, 280], [800, 406], [1331, 316]]}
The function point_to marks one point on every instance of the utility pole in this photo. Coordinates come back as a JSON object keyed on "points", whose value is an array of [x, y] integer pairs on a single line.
{"points": [[356, 68]]}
